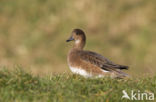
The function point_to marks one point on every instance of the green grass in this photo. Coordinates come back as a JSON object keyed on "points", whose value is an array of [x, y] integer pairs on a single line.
{"points": [[20, 86]]}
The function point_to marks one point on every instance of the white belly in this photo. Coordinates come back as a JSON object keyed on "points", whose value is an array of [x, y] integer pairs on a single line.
{"points": [[80, 72]]}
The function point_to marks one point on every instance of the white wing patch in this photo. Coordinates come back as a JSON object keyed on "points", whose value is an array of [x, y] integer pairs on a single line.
{"points": [[105, 71], [80, 72], [84, 73]]}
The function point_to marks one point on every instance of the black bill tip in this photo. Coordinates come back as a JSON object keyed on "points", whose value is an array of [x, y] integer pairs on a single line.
{"points": [[70, 39]]}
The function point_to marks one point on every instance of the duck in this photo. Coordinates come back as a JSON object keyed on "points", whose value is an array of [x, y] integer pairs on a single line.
{"points": [[88, 63]]}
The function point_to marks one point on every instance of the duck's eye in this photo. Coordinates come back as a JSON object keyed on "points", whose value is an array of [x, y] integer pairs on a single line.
{"points": [[77, 34]]}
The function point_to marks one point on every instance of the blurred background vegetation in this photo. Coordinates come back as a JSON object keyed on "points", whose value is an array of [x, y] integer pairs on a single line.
{"points": [[33, 33]]}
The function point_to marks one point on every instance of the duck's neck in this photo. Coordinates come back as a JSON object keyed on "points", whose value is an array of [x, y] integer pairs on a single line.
{"points": [[79, 44]]}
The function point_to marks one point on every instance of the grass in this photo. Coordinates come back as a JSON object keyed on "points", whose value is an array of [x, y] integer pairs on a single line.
{"points": [[21, 86], [33, 33]]}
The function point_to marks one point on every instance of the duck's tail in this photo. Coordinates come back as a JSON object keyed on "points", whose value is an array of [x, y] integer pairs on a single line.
{"points": [[119, 74], [123, 67]]}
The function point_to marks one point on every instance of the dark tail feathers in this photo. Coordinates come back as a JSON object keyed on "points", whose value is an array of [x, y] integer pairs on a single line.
{"points": [[123, 67]]}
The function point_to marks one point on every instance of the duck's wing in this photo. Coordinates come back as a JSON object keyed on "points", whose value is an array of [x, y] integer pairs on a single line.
{"points": [[100, 61]]}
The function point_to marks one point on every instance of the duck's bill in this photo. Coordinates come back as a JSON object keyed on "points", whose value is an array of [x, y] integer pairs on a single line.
{"points": [[70, 39]]}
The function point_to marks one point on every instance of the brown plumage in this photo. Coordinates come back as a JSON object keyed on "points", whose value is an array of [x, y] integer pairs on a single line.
{"points": [[88, 63]]}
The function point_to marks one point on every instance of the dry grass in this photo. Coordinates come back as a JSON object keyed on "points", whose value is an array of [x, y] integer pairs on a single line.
{"points": [[33, 33]]}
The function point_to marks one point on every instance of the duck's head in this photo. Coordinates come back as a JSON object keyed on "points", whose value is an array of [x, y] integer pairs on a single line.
{"points": [[78, 36]]}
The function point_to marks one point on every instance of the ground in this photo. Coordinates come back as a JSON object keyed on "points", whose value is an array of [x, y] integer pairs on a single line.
{"points": [[21, 86]]}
